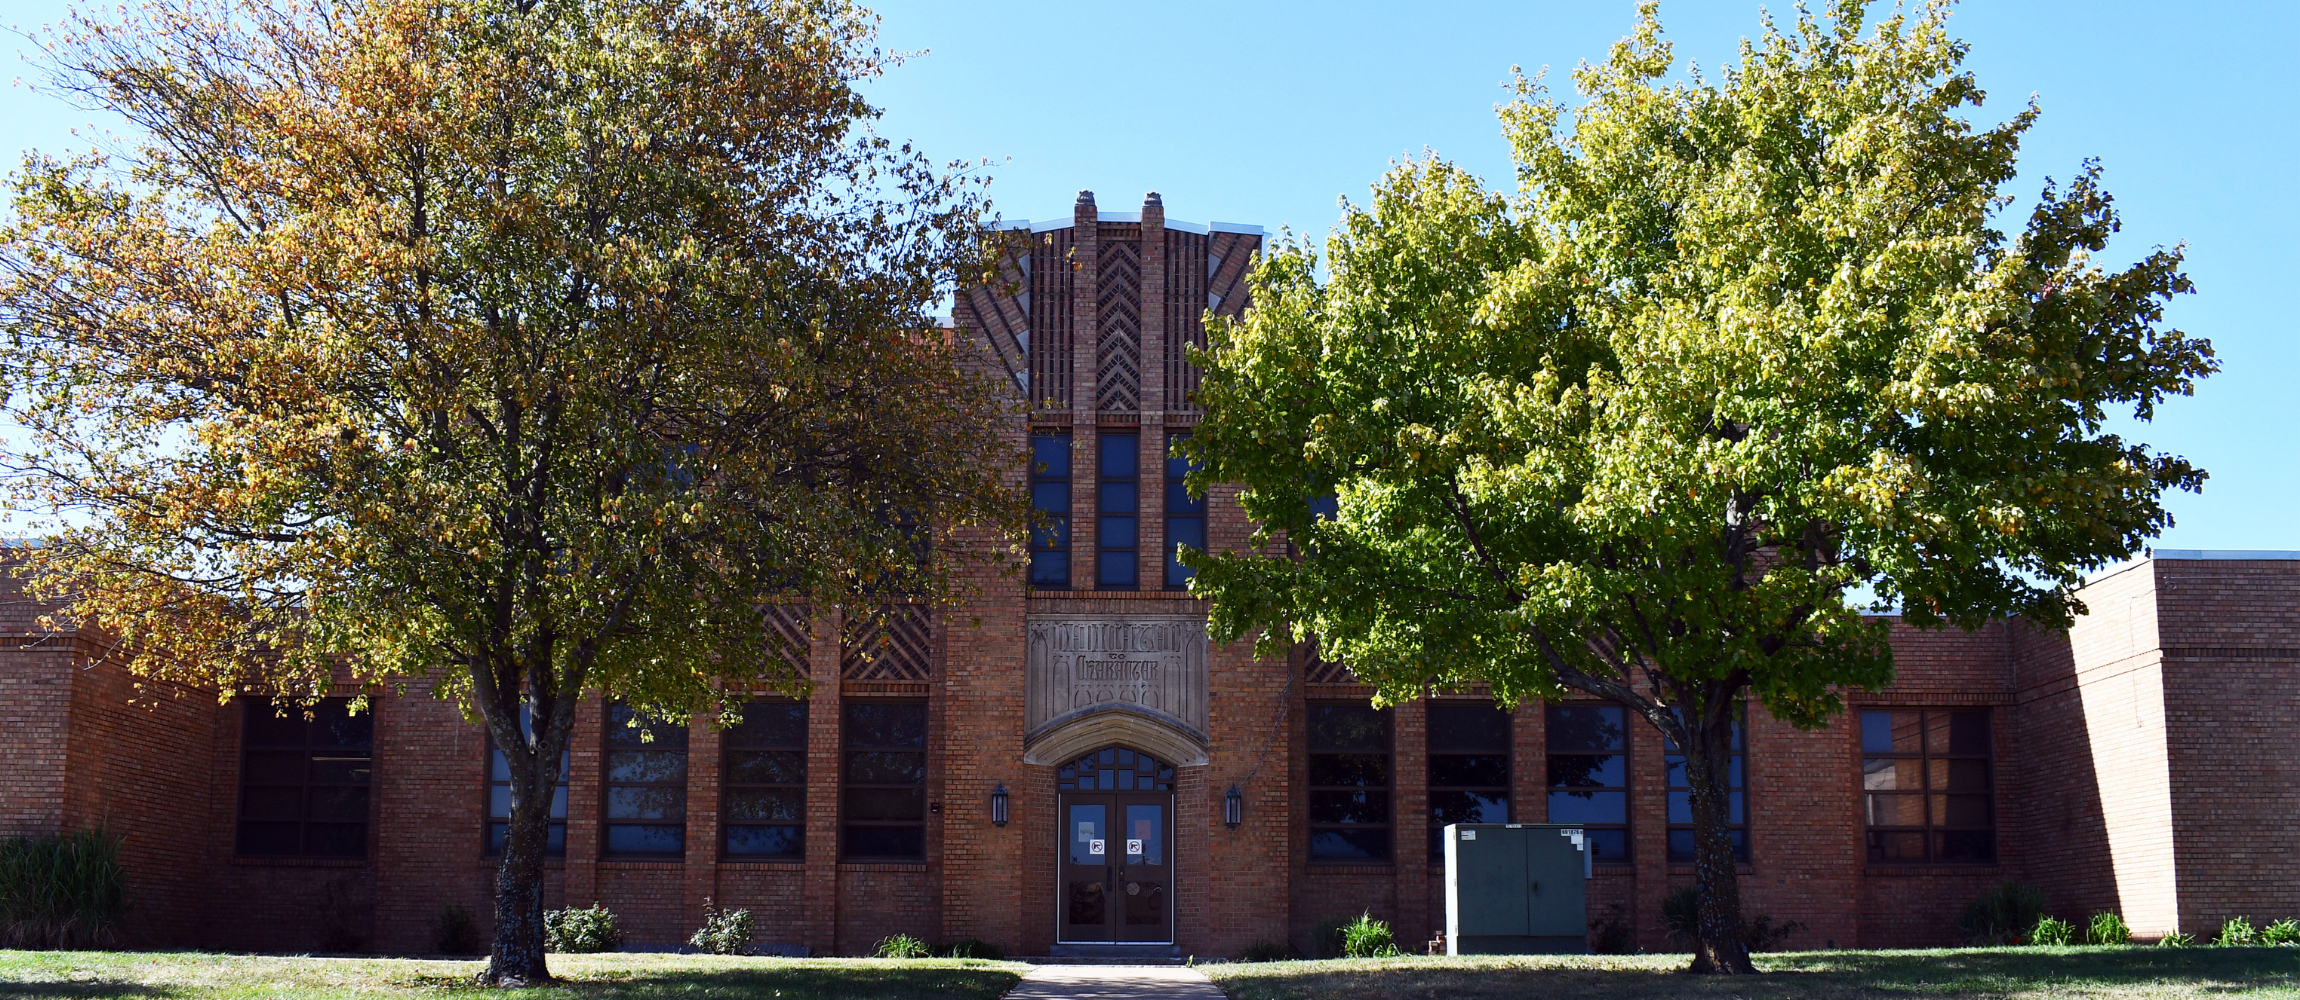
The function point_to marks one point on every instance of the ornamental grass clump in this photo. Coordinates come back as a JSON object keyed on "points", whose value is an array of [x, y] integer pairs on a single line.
{"points": [[62, 892], [2107, 928], [2176, 940], [2237, 933], [1366, 937], [2282, 932], [575, 931], [901, 946], [2052, 931]]}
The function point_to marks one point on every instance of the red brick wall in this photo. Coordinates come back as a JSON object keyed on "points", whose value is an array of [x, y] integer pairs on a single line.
{"points": [[2230, 644]]}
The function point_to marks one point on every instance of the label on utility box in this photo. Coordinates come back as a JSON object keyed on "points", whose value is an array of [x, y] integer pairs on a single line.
{"points": [[1469, 835]]}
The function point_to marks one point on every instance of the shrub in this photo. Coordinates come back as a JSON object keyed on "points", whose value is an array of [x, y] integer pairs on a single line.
{"points": [[2052, 931], [1326, 938], [454, 932], [62, 892], [973, 948], [901, 946], [1681, 913], [1366, 937], [2282, 932], [2175, 940], [2004, 916], [2236, 933], [581, 930], [2107, 928], [1611, 934], [724, 932], [1266, 951]]}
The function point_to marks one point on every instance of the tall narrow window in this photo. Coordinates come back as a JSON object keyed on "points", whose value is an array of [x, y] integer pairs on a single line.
{"points": [[1117, 528], [1050, 500], [1681, 801], [1468, 769], [766, 781], [883, 804], [646, 784], [303, 783], [1185, 515], [499, 796], [1925, 778], [1589, 776], [1349, 746]]}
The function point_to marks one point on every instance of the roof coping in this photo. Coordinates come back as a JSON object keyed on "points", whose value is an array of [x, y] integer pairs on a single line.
{"points": [[2216, 555], [1235, 227]]}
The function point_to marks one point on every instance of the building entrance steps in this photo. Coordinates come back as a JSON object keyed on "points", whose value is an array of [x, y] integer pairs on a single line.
{"points": [[1115, 982]]}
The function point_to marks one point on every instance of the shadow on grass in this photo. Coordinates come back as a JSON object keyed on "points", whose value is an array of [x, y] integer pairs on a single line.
{"points": [[789, 982], [2126, 972]]}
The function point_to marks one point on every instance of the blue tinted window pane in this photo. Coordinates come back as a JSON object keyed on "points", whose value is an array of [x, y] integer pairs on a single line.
{"points": [[1588, 807], [1050, 569], [1181, 531], [885, 841], [650, 839], [1179, 500], [1115, 569], [1121, 456], [1350, 845], [1118, 532], [1585, 729], [1606, 846], [1050, 455], [766, 841], [1052, 534], [1587, 771], [1681, 808], [1054, 498], [1326, 507], [1118, 498], [1877, 732]]}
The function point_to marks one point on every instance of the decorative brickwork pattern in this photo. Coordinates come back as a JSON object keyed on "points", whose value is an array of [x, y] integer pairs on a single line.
{"points": [[792, 630], [1048, 304], [896, 647], [1187, 268], [1118, 325]]}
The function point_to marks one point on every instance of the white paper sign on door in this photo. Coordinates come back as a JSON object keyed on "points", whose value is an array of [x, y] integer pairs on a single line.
{"points": [[1093, 847], [1133, 847]]}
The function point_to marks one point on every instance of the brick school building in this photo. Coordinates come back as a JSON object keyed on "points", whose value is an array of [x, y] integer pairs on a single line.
{"points": [[1068, 765]]}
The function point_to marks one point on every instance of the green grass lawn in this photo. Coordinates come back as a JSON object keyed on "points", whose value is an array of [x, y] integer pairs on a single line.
{"points": [[1823, 975], [586, 977]]}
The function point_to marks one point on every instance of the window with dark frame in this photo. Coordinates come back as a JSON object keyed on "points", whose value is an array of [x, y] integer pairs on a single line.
{"points": [[1117, 510], [764, 782], [1681, 800], [499, 797], [1050, 499], [1468, 768], [646, 786], [1350, 781], [304, 783], [882, 797], [1185, 514], [1927, 791], [1589, 776]]}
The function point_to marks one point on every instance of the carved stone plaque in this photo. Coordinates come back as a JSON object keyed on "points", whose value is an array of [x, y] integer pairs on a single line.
{"points": [[1151, 664]]}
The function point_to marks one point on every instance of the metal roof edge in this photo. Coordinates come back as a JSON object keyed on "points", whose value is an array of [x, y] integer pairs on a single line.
{"points": [[1236, 227]]}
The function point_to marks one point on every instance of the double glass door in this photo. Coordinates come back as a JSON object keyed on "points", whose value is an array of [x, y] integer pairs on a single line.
{"points": [[1117, 881]]}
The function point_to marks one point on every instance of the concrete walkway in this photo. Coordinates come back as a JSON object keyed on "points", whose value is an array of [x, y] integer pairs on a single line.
{"points": [[1114, 982]]}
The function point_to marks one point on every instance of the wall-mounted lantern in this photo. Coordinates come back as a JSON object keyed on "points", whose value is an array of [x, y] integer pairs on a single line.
{"points": [[1233, 807], [998, 806]]}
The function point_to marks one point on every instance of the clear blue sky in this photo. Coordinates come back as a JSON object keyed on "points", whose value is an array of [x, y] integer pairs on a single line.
{"points": [[1267, 112]]}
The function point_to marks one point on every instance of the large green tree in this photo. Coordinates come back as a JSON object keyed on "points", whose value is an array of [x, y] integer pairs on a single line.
{"points": [[530, 348], [1736, 347]]}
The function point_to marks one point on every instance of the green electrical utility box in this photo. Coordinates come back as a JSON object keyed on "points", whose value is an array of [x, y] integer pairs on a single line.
{"points": [[1515, 889]]}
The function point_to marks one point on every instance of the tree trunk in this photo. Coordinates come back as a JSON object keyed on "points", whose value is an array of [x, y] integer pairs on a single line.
{"points": [[516, 959], [1719, 947]]}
